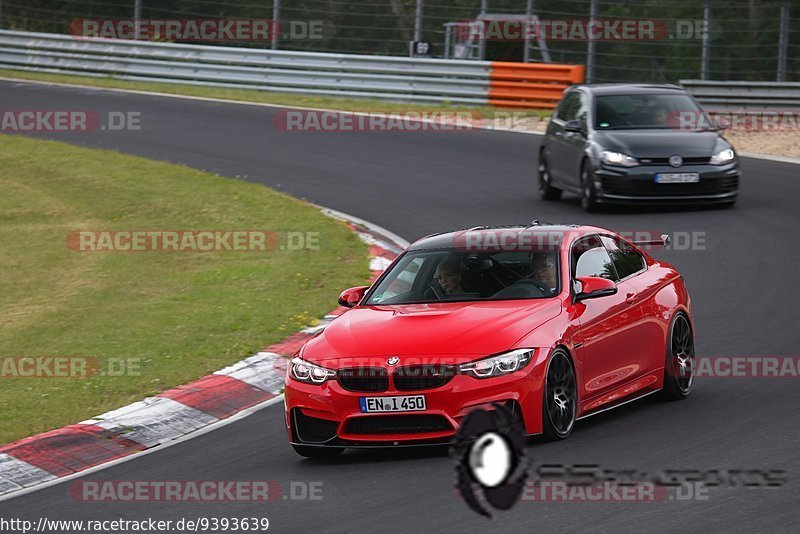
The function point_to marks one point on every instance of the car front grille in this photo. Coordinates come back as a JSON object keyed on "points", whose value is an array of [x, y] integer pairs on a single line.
{"points": [[417, 377], [311, 429], [617, 185], [397, 424], [620, 185], [368, 379], [704, 186], [665, 161]]}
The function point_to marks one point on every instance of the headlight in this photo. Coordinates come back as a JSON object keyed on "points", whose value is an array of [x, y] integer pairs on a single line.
{"points": [[304, 371], [725, 156], [499, 365], [617, 158]]}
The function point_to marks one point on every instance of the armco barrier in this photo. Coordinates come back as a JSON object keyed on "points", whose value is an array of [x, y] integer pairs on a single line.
{"points": [[530, 85], [383, 77], [719, 95]]}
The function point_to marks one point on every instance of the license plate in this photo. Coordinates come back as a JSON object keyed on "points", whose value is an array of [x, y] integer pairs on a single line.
{"points": [[408, 403], [677, 178]]}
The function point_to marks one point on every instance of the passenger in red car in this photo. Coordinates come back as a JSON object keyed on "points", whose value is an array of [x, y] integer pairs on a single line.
{"points": [[544, 269]]}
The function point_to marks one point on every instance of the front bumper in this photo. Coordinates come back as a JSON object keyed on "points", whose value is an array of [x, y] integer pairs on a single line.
{"points": [[329, 415], [619, 185]]}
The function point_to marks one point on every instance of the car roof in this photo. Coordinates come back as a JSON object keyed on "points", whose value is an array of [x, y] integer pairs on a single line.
{"points": [[627, 88], [447, 239]]}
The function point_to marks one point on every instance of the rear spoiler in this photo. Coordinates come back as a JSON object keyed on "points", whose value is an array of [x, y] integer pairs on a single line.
{"points": [[663, 241]]}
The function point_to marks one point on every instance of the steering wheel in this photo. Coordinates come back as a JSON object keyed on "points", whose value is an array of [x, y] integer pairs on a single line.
{"points": [[436, 291], [539, 285]]}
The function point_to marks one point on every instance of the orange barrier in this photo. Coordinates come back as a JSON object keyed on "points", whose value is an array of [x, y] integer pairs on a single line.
{"points": [[530, 85]]}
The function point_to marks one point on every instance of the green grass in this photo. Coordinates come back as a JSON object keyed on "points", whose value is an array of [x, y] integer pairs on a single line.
{"points": [[183, 315], [266, 97]]}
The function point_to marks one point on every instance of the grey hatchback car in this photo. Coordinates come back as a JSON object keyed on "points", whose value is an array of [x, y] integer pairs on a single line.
{"points": [[624, 143]]}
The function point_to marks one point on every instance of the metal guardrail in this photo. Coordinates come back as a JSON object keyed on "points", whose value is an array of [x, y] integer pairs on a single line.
{"points": [[382, 77], [717, 95]]}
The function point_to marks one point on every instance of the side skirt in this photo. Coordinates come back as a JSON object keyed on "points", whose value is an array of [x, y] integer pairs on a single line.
{"points": [[623, 403]]}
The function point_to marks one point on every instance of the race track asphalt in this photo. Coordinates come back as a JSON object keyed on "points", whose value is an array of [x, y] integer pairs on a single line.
{"points": [[743, 287]]}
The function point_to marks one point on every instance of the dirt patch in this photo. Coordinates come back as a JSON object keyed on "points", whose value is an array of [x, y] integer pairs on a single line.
{"points": [[778, 142]]}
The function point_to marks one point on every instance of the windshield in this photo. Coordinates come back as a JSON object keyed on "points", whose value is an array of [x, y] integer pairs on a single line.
{"points": [[645, 111], [455, 275]]}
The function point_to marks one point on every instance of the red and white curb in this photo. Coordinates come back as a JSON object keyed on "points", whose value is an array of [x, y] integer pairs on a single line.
{"points": [[176, 414]]}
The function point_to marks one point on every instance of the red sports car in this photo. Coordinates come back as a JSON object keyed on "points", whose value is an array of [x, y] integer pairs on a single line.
{"points": [[556, 323]]}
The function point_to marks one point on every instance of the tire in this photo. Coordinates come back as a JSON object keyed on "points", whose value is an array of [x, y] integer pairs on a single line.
{"points": [[317, 452], [559, 397], [546, 190], [588, 194], [679, 366]]}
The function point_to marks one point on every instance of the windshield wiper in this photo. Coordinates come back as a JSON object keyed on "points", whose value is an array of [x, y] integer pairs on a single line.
{"points": [[642, 127]]}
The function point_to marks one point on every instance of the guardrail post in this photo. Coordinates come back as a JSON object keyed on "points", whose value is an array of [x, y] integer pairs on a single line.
{"points": [[137, 14], [417, 37], [706, 53], [276, 26], [448, 29], [418, 21], [783, 41], [526, 54], [482, 50], [590, 56]]}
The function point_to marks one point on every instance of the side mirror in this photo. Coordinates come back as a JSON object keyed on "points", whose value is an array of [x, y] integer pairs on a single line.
{"points": [[593, 287], [351, 297], [572, 126]]}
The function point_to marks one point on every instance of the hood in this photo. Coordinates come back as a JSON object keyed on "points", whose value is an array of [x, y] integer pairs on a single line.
{"points": [[660, 143], [455, 328]]}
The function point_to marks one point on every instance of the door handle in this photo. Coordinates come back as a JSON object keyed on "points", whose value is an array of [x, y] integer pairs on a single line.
{"points": [[630, 298]]}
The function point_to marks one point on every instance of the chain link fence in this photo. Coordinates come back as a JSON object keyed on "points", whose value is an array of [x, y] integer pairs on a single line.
{"points": [[669, 40]]}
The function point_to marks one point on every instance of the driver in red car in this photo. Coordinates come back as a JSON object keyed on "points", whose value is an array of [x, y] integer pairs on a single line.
{"points": [[449, 276]]}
